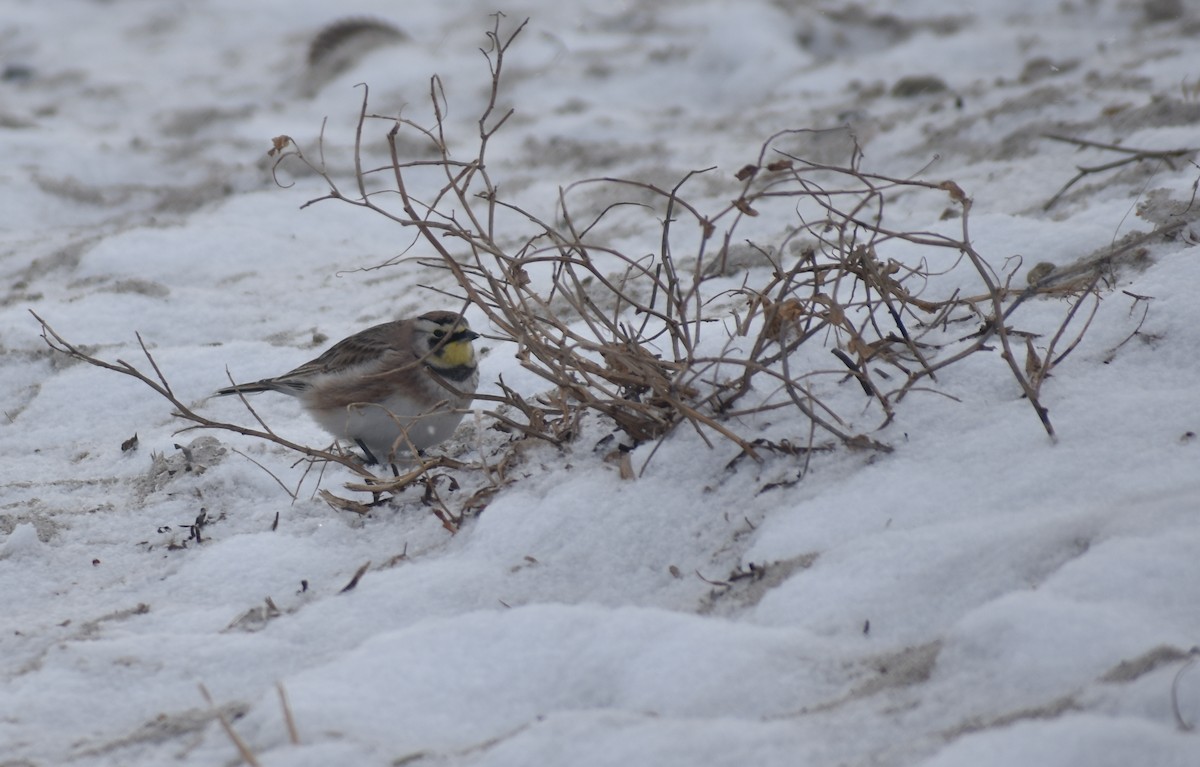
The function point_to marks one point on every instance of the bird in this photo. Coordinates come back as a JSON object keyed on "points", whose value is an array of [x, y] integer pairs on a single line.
{"points": [[395, 389]]}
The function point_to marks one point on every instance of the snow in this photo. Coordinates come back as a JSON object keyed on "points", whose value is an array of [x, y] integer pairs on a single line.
{"points": [[982, 595]]}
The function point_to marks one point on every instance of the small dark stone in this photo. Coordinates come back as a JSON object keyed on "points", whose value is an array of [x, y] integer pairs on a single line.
{"points": [[1162, 10], [918, 85], [16, 73]]}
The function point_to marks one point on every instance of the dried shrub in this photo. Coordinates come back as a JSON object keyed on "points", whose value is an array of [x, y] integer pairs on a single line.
{"points": [[686, 333], [761, 309]]}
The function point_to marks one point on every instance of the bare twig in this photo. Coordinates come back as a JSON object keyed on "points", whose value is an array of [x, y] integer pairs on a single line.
{"points": [[1182, 723], [288, 720], [1134, 156], [182, 411], [243, 750], [358, 574], [269, 473]]}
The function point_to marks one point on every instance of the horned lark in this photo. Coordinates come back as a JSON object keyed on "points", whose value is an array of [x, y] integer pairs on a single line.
{"points": [[394, 388]]}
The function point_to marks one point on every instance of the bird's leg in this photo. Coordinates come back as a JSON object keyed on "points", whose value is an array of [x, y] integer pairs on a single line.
{"points": [[370, 457]]}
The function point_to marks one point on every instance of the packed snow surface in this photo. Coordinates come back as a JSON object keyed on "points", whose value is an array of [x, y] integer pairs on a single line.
{"points": [[982, 595]]}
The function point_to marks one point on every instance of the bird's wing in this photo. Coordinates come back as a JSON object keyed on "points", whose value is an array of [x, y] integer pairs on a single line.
{"points": [[362, 347]]}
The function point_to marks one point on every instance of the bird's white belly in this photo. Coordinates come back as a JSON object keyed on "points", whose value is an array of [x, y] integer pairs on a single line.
{"points": [[390, 426]]}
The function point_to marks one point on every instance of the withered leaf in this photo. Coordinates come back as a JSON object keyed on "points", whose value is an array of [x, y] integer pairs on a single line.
{"points": [[956, 192], [741, 204], [278, 144]]}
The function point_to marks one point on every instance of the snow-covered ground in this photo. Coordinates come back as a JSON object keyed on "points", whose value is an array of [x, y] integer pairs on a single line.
{"points": [[980, 596]]}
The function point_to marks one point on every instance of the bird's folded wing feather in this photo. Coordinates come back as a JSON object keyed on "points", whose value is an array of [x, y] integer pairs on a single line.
{"points": [[356, 350]]}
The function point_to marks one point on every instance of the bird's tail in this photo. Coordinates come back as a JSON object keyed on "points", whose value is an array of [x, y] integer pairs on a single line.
{"points": [[294, 387], [247, 388]]}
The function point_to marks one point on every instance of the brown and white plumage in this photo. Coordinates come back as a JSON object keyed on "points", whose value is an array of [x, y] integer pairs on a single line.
{"points": [[393, 388]]}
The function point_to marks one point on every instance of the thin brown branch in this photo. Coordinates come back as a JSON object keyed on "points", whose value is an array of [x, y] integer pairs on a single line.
{"points": [[243, 750], [1134, 156], [61, 345]]}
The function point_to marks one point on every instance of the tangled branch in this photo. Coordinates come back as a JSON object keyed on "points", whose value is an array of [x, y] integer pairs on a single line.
{"points": [[711, 326], [625, 336]]}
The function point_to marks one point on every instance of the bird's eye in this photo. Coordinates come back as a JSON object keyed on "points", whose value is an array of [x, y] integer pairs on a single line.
{"points": [[439, 333]]}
